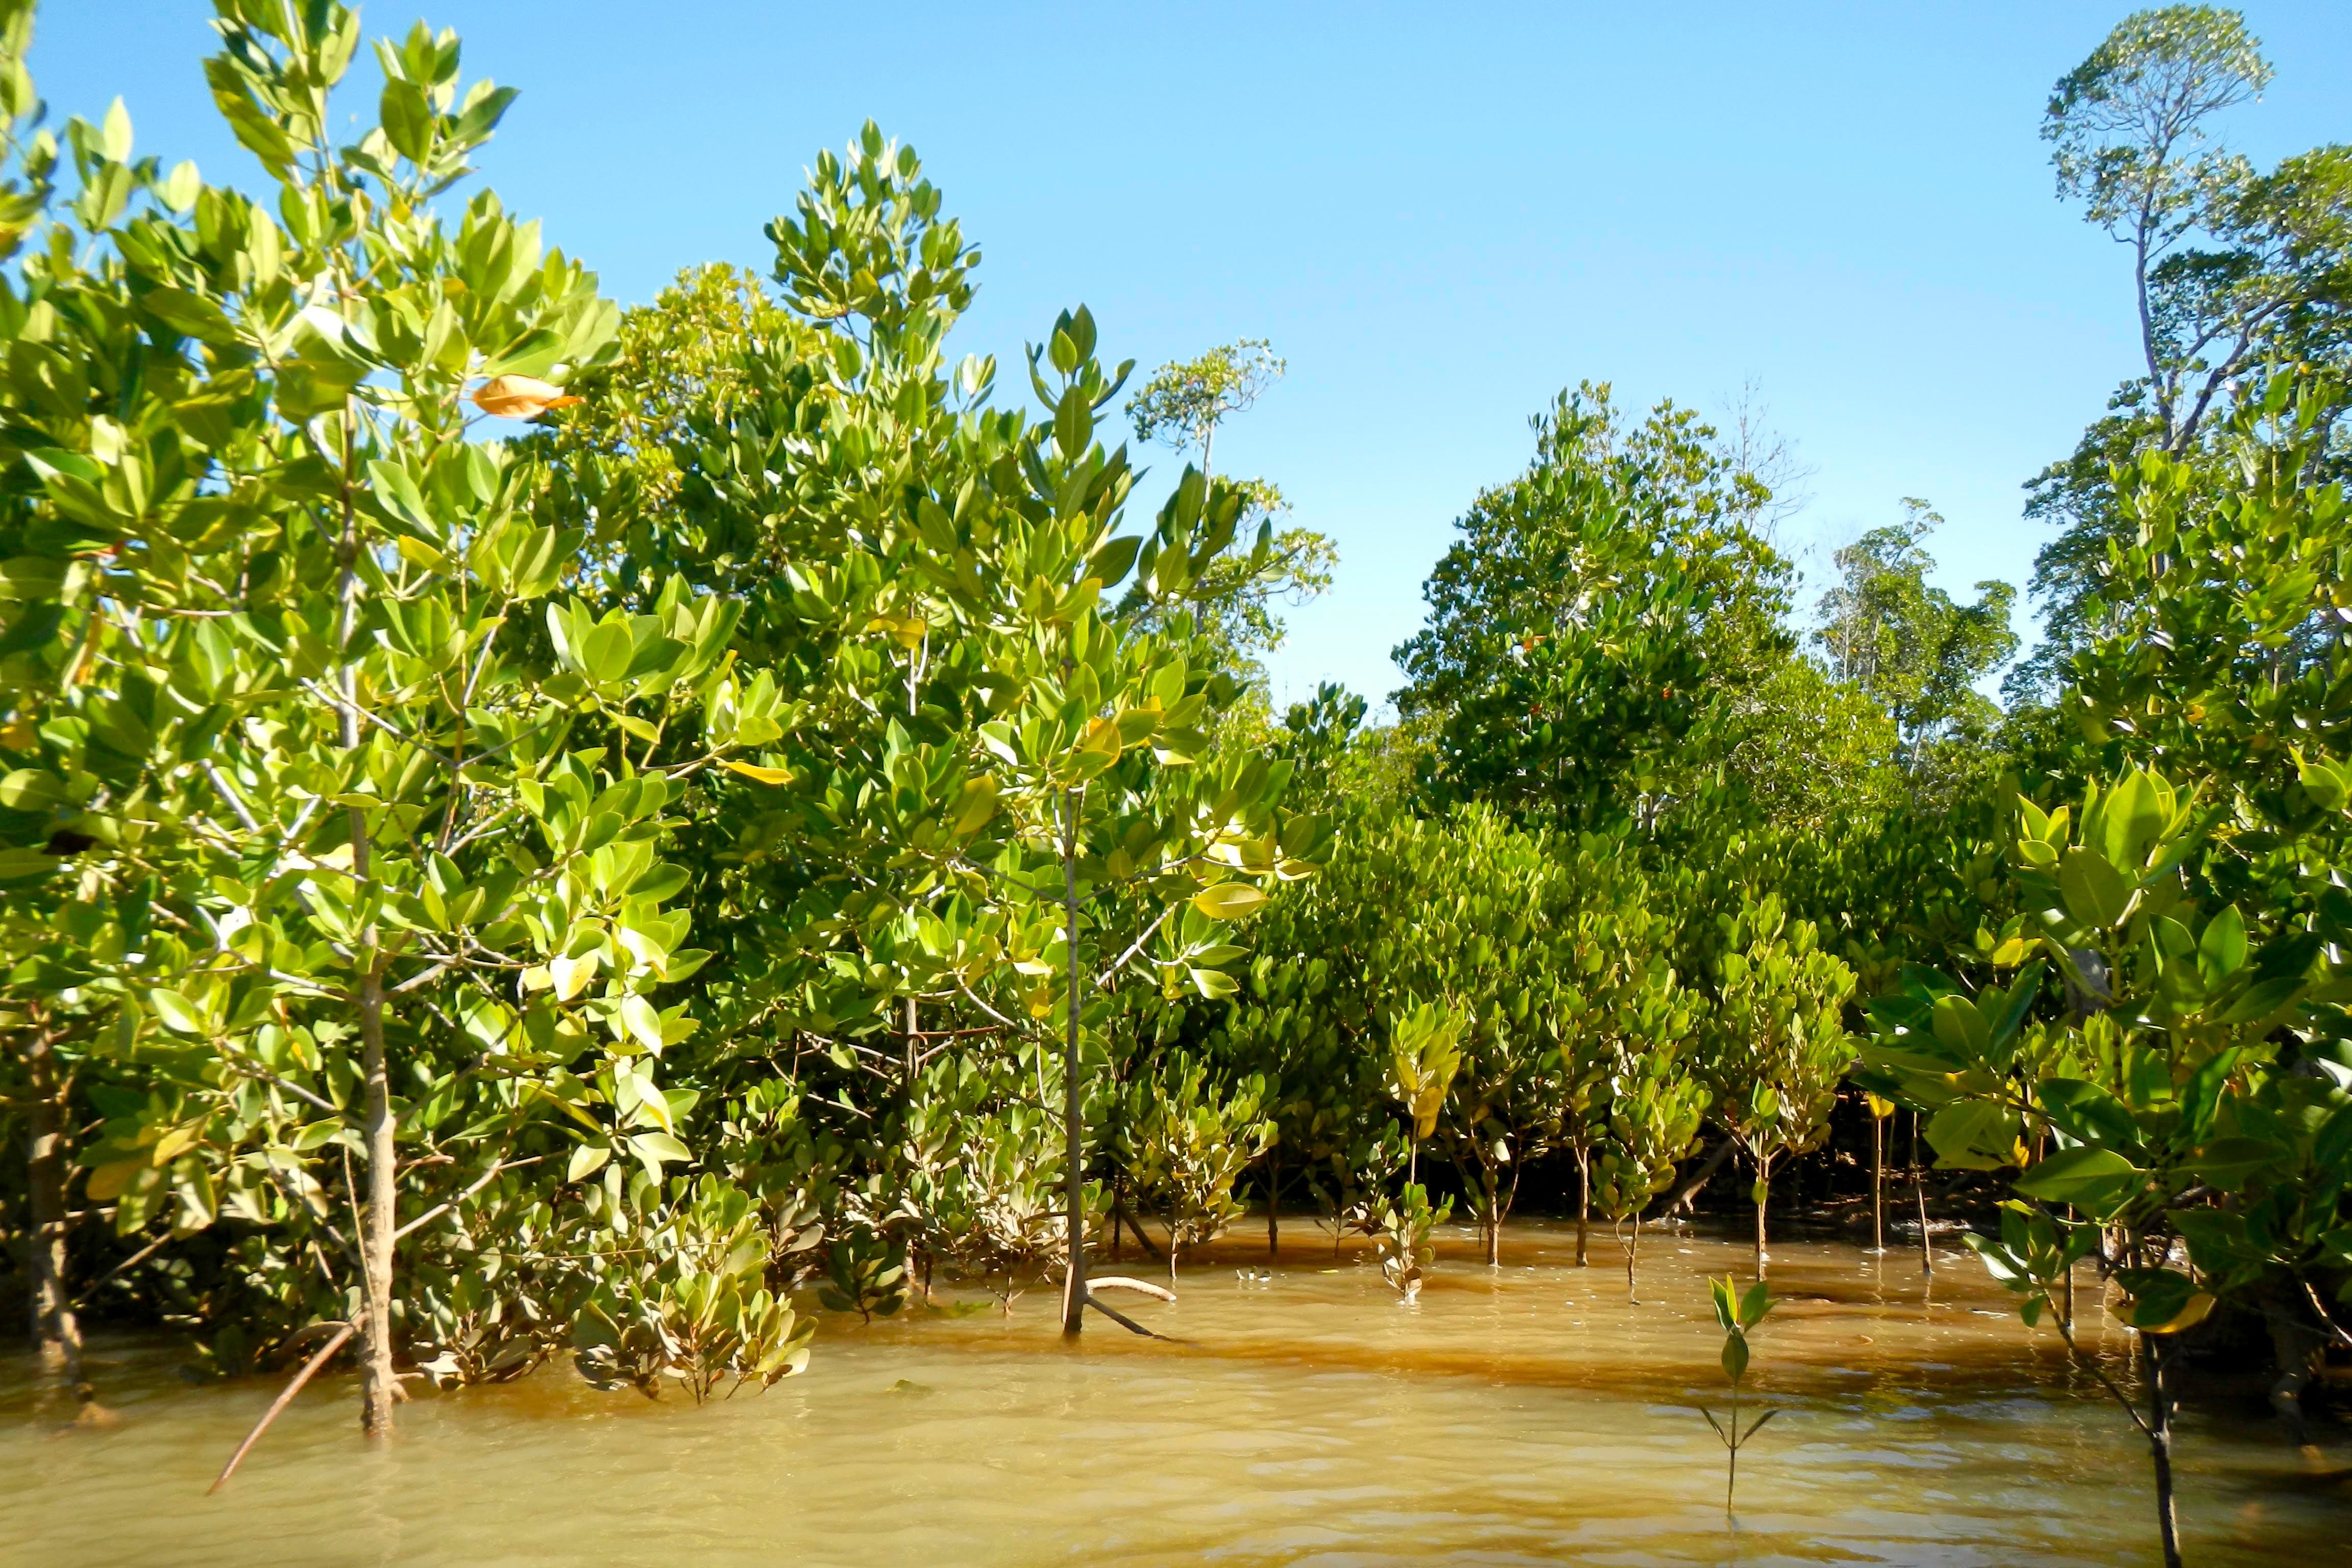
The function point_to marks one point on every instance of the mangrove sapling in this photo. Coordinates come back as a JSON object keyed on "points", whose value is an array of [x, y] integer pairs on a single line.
{"points": [[1403, 1241], [1737, 1313], [865, 1276], [690, 1302], [1190, 1139], [1777, 1045], [1423, 1058], [1649, 1109]]}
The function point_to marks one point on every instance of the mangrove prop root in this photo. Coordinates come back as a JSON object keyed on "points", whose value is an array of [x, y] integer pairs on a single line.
{"points": [[343, 1332], [1121, 1318]]}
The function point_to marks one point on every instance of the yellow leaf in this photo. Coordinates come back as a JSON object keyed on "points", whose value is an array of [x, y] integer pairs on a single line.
{"points": [[174, 1142], [519, 397], [112, 1179], [570, 976], [759, 774], [1228, 900], [418, 553], [1880, 1110], [2188, 1317]]}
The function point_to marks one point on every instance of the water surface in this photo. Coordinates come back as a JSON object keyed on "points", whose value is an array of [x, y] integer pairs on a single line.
{"points": [[1523, 1415]]}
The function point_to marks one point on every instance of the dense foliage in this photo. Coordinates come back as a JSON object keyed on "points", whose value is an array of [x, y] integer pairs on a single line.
{"points": [[533, 829]]}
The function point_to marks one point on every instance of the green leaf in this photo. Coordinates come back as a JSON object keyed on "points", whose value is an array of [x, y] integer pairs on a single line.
{"points": [[2087, 1113], [408, 119], [32, 789], [1959, 1025], [1735, 1356], [659, 1146], [2095, 892], [586, 1161], [1726, 1303], [2221, 951], [1973, 1135], [2261, 999], [606, 652], [2325, 783], [2227, 1164], [644, 1024], [177, 1011], [191, 315], [1114, 558], [2071, 1174]]}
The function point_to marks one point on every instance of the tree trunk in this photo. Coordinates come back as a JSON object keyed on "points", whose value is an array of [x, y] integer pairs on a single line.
{"points": [[1919, 1187], [2066, 1307], [1763, 1197], [1584, 1202], [1274, 1207], [2160, 1443], [1494, 1221], [1632, 1253], [56, 1331], [1878, 1184], [1073, 1287], [379, 1389]]}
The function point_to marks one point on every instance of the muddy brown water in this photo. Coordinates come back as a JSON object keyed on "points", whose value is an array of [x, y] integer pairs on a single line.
{"points": [[1521, 1415]]}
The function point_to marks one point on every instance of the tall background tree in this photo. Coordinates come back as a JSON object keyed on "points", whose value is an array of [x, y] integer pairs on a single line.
{"points": [[2233, 269]]}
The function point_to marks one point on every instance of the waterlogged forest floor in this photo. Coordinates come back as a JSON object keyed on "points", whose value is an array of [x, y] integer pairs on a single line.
{"points": [[1521, 1415]]}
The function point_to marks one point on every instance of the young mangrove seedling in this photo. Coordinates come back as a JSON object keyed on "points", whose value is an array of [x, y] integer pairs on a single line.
{"points": [[1402, 1240], [1737, 1313]]}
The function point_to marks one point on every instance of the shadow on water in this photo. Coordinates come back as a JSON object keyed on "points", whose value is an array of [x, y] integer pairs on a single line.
{"points": [[1521, 1413]]}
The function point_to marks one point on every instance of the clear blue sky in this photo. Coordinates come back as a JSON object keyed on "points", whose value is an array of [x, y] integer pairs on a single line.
{"points": [[1441, 215]]}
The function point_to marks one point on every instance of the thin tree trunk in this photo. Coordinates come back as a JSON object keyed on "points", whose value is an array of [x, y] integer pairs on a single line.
{"points": [[379, 1388], [1763, 1197], [1274, 1207], [2160, 1443], [913, 669], [1494, 1223], [55, 1330], [1584, 1202], [1073, 1290], [1633, 1253], [1878, 1184], [1731, 1471], [2067, 1309], [1919, 1187]]}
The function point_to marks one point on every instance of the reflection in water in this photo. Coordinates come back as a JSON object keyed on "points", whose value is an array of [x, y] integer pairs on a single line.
{"points": [[1520, 1414]]}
